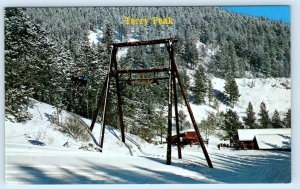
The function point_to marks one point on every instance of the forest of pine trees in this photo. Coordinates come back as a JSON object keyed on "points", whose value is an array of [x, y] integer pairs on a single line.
{"points": [[44, 47]]}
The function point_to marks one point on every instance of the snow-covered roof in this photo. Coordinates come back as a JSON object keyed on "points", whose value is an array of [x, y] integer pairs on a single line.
{"points": [[273, 141], [188, 130], [248, 134]]}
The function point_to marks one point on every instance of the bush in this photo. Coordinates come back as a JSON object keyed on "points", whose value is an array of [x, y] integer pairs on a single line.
{"points": [[74, 128]]}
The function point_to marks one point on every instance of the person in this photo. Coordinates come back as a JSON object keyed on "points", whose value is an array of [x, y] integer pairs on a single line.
{"points": [[219, 146]]}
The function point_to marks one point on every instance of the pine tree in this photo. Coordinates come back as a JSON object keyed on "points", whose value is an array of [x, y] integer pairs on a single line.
{"points": [[186, 83], [160, 123], [210, 92], [17, 40], [230, 125], [200, 89], [181, 119], [209, 125], [108, 38], [276, 122], [264, 119], [190, 53], [231, 90], [250, 118], [287, 119], [32, 66]]}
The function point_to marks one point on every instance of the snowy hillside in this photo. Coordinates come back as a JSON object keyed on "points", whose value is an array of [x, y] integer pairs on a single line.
{"points": [[35, 153], [275, 93], [95, 38]]}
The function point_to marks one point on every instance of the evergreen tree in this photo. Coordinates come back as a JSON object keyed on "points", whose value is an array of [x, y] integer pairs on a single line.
{"points": [[108, 38], [231, 90], [183, 122], [287, 119], [186, 84], [264, 119], [209, 125], [230, 125], [190, 53], [250, 118], [160, 123], [181, 119], [276, 122], [210, 92], [32, 66], [18, 36], [200, 89]]}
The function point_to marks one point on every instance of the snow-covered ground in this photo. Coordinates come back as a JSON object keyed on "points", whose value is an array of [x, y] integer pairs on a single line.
{"points": [[34, 154]]}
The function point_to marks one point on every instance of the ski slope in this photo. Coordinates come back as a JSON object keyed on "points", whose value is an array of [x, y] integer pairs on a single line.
{"points": [[47, 161]]}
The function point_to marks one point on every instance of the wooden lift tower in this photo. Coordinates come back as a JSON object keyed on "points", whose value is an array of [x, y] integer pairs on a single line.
{"points": [[173, 75]]}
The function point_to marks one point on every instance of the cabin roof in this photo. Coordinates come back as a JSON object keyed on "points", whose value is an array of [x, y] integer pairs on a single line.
{"points": [[273, 141], [249, 134]]}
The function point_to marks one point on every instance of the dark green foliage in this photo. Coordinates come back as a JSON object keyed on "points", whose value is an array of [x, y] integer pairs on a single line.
{"points": [[34, 65], [108, 38], [250, 119], [160, 123], [247, 46], [287, 119], [276, 121], [200, 88], [210, 92], [190, 53], [230, 125], [264, 120], [186, 84], [231, 90], [209, 125], [17, 28], [183, 122]]}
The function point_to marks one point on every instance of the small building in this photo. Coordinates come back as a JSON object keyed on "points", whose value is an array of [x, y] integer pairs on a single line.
{"points": [[186, 137], [264, 138]]}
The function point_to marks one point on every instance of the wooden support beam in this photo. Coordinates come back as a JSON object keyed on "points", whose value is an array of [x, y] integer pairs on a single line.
{"points": [[138, 81], [145, 79], [176, 115], [106, 98], [99, 104], [152, 70], [140, 43], [169, 145], [190, 110], [120, 110]]}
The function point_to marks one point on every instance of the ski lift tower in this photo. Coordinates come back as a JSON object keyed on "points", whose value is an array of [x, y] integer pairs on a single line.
{"points": [[173, 80]]}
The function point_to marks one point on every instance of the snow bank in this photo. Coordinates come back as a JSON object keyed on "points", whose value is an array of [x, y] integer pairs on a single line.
{"points": [[32, 158]]}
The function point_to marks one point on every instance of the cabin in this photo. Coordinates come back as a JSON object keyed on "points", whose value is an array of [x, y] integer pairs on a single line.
{"points": [[265, 139], [187, 137]]}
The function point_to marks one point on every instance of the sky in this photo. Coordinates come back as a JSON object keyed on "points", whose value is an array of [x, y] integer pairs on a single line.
{"points": [[272, 12]]}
